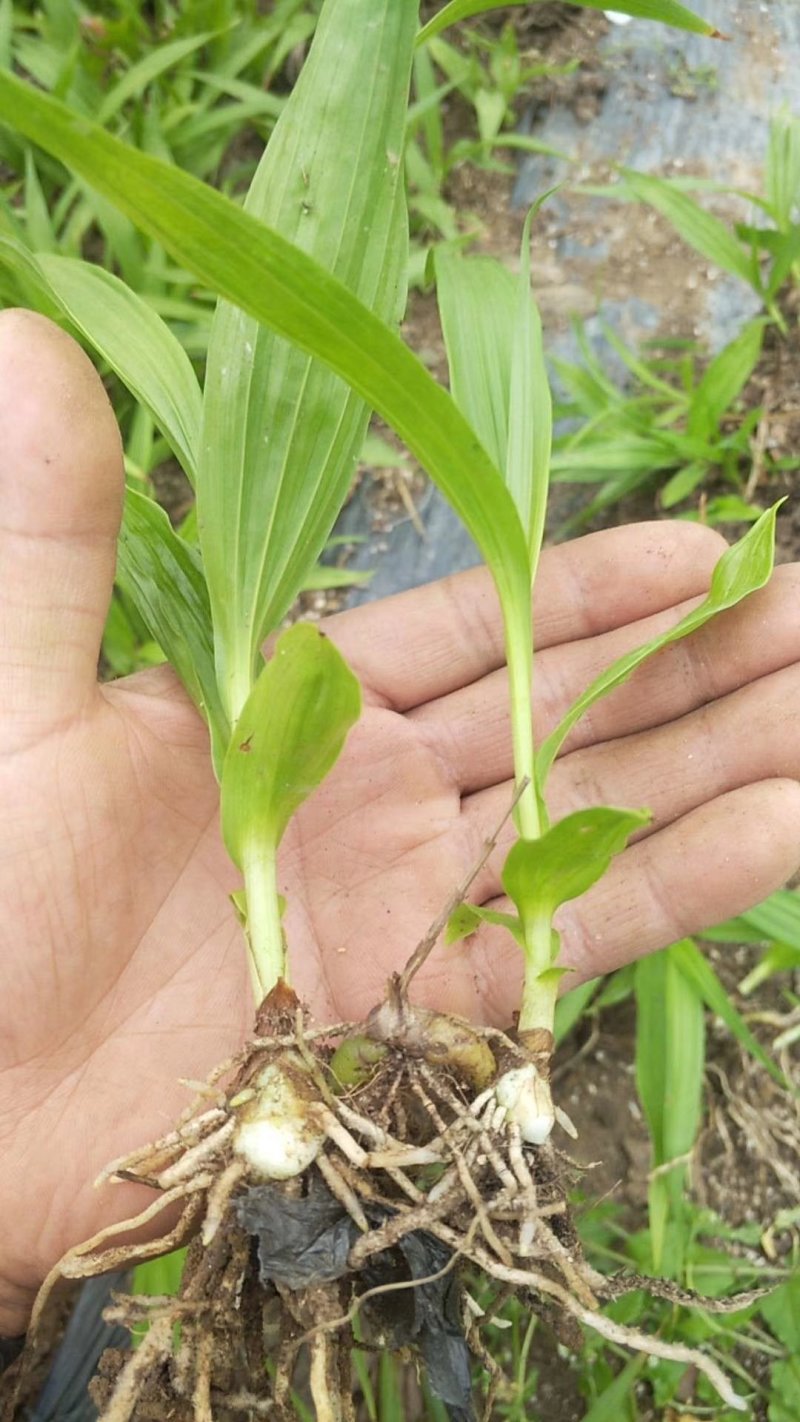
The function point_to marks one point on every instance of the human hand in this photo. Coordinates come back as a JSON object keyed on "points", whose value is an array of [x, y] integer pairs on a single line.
{"points": [[123, 967]]}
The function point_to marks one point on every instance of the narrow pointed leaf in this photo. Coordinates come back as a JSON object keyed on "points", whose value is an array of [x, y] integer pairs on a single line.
{"points": [[670, 1057], [706, 233], [493, 337], [530, 408], [541, 874], [668, 11], [281, 432], [254, 267], [741, 570], [477, 299], [724, 379], [699, 972], [162, 575], [287, 738], [126, 333]]}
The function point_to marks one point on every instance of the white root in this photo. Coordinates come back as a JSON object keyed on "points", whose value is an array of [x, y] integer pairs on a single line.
{"points": [[155, 1345], [219, 1197]]}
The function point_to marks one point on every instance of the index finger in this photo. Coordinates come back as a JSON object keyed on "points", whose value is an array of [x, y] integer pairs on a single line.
{"points": [[423, 644]]}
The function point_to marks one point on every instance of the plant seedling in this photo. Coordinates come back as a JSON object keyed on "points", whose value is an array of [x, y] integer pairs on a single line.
{"points": [[369, 1162]]}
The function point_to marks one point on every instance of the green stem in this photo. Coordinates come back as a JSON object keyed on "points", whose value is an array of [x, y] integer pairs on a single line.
{"points": [[519, 656], [539, 998], [264, 931]]}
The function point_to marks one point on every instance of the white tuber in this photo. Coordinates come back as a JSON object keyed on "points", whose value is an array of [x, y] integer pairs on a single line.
{"points": [[278, 1134], [527, 1101]]}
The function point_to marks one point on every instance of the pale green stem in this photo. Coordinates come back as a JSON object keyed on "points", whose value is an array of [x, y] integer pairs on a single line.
{"points": [[264, 930], [538, 996], [519, 655], [540, 987]]}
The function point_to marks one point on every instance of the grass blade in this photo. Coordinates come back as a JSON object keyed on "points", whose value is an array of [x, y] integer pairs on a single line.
{"points": [[670, 1057], [698, 971], [710, 237], [724, 379], [668, 11]]}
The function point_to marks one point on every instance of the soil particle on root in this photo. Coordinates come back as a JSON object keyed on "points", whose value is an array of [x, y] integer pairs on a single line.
{"points": [[422, 1176]]}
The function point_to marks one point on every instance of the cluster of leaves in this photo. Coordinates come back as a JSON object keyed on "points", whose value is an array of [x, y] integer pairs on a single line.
{"points": [[674, 422]]}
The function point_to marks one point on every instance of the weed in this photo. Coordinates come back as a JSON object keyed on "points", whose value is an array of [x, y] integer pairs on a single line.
{"points": [[675, 425]]}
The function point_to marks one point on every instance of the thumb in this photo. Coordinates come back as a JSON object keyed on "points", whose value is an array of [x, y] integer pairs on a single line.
{"points": [[61, 488]]}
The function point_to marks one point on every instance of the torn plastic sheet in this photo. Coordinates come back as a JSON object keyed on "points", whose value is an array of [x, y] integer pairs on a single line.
{"points": [[302, 1242]]}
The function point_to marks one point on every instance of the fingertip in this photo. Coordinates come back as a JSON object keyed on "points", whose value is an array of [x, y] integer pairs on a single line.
{"points": [[58, 430]]}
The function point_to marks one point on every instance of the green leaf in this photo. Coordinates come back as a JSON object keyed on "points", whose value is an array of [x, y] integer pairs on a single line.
{"points": [[540, 874], [163, 577], [608, 1406], [741, 570], [784, 1391], [232, 253], [467, 917], [668, 11], [777, 917], [670, 1057], [706, 233], [281, 432], [571, 1007], [139, 76], [136, 344], [723, 381], [530, 408], [782, 1312], [288, 737], [698, 971], [493, 338], [477, 299]]}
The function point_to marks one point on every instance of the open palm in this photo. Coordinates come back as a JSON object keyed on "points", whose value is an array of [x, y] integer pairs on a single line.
{"points": [[122, 963]]}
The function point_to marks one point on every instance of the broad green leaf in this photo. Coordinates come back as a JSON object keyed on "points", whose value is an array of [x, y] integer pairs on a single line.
{"points": [[281, 432], [706, 233], [530, 408], [741, 570], [668, 11], [723, 380], [540, 874], [232, 253], [477, 299], [698, 971], [467, 917], [493, 337], [287, 738], [163, 577], [670, 1057], [128, 335]]}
